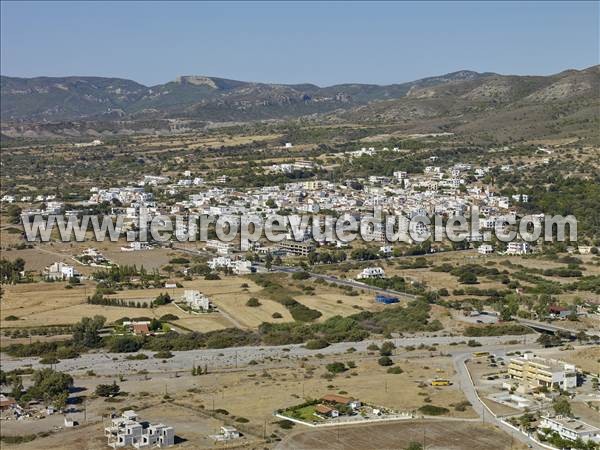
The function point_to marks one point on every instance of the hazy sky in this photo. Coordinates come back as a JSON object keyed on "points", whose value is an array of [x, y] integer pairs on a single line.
{"points": [[322, 43]]}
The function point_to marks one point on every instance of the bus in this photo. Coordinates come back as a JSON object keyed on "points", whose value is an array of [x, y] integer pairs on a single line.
{"points": [[440, 382], [480, 354]]}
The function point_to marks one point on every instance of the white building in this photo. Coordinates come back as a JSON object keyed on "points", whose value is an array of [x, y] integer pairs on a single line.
{"points": [[485, 249], [195, 300], [127, 431], [517, 248], [222, 248], [60, 271], [571, 429], [371, 272], [226, 434], [239, 266]]}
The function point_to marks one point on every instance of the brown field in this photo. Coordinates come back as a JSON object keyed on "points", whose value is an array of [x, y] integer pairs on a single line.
{"points": [[253, 395], [436, 434], [252, 392], [586, 358]]}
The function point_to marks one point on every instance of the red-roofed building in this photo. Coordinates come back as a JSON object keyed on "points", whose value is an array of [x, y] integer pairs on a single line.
{"points": [[559, 312], [326, 411], [6, 402], [335, 399], [141, 329]]}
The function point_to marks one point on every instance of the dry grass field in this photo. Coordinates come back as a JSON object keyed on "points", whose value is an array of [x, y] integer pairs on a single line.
{"points": [[587, 358], [436, 434], [251, 392]]}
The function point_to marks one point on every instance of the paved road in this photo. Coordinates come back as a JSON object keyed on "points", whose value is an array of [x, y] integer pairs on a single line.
{"points": [[468, 389], [551, 327]]}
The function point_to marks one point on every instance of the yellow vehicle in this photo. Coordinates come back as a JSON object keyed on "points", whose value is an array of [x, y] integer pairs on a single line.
{"points": [[440, 382], [480, 354]]}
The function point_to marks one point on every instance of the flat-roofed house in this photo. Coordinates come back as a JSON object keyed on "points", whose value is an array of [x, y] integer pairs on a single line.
{"points": [[572, 429]]}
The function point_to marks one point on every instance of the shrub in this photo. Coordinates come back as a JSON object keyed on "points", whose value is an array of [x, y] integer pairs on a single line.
{"points": [[124, 344], [276, 315], [301, 275], [395, 370], [387, 348], [286, 424], [137, 357], [164, 354], [432, 410], [49, 360], [107, 390], [316, 344], [11, 318], [385, 361], [168, 317], [336, 367], [253, 302]]}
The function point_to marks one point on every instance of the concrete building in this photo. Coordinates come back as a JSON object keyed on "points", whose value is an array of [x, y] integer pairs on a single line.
{"points": [[485, 249], [517, 248], [60, 271], [226, 434], [127, 431], [195, 300], [549, 373], [571, 429], [238, 266], [297, 248]]}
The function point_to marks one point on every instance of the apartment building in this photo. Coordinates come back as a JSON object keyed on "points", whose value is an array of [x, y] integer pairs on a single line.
{"points": [[297, 248], [536, 371]]}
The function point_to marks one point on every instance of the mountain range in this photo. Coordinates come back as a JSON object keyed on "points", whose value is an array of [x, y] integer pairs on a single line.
{"points": [[45, 100]]}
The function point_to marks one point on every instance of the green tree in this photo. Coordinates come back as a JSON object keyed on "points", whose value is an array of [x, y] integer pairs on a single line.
{"points": [[87, 331], [562, 406], [268, 261]]}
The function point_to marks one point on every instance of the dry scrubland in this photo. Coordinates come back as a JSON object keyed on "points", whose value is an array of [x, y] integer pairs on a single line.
{"points": [[46, 303], [437, 435], [252, 393]]}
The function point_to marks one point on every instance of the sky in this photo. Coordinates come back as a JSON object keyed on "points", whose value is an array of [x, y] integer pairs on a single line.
{"points": [[322, 43]]}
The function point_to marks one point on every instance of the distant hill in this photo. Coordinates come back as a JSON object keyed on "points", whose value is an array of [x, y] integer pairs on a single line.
{"points": [[198, 97], [508, 106]]}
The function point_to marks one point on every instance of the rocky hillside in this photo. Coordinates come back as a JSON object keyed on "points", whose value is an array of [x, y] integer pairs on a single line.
{"points": [[509, 107], [198, 97], [505, 106]]}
